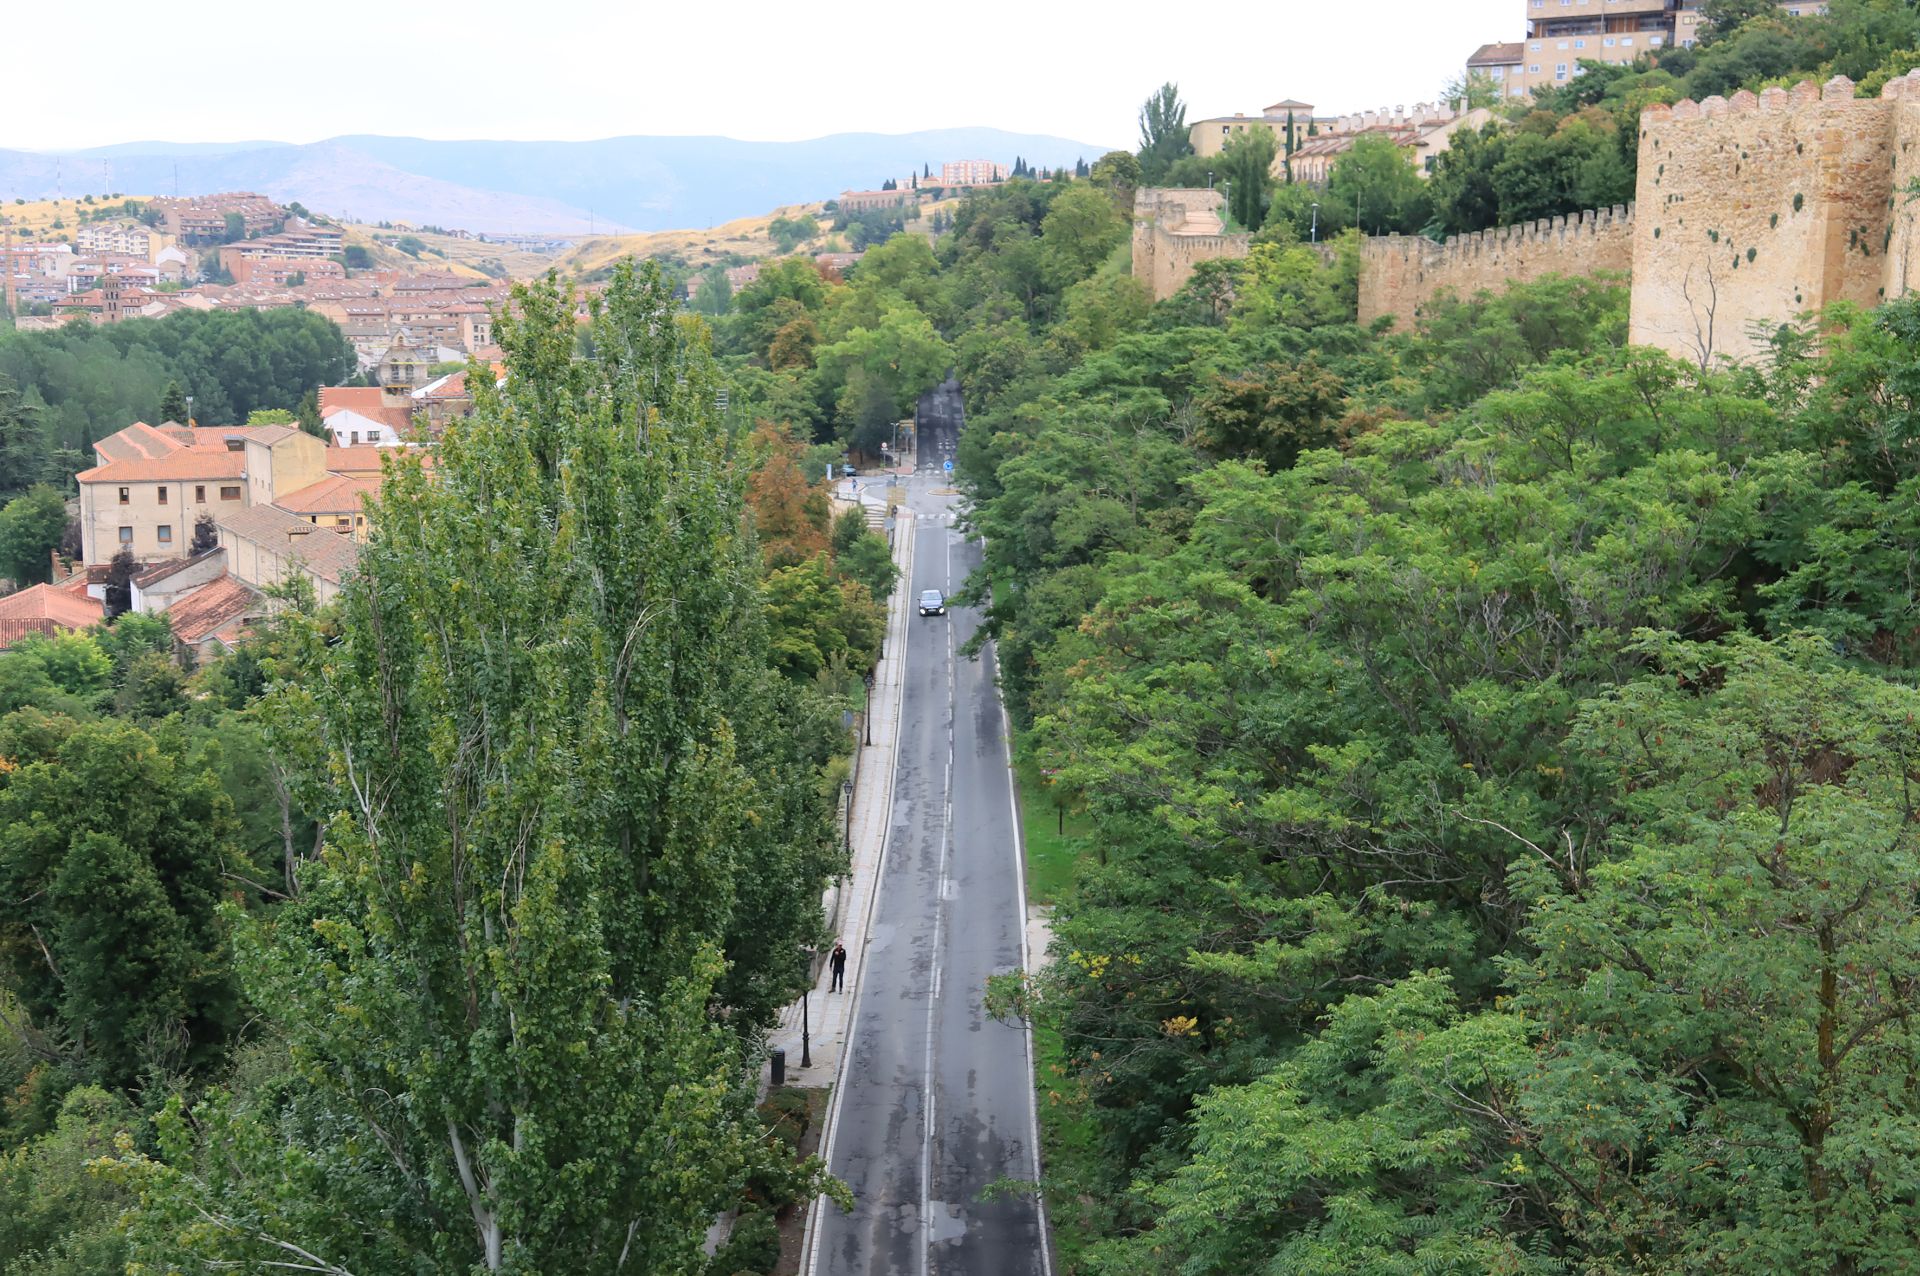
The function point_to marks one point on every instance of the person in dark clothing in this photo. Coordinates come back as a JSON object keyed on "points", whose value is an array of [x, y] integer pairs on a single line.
{"points": [[838, 964]]}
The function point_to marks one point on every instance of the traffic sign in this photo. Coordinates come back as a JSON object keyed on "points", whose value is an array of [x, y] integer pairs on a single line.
{"points": [[947, 466]]}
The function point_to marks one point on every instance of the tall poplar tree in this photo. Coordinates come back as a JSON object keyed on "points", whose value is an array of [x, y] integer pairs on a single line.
{"points": [[561, 806]]}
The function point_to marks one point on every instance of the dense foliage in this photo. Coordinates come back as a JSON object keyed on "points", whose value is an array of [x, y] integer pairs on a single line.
{"points": [[1493, 743], [81, 383], [436, 929]]}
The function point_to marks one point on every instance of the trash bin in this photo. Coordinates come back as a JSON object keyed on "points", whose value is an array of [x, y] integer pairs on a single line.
{"points": [[779, 1065]]}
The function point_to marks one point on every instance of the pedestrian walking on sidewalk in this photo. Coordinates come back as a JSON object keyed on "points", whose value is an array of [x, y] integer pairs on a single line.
{"points": [[838, 964]]}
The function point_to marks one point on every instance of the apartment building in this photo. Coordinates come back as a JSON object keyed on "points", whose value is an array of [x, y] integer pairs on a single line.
{"points": [[863, 201], [121, 238], [1211, 136], [153, 483], [1563, 33], [202, 219], [971, 172], [1423, 132]]}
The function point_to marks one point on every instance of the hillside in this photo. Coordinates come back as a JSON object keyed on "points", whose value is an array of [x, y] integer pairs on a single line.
{"points": [[567, 188], [40, 216]]}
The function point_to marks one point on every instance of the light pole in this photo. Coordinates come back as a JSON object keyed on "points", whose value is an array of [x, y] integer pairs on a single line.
{"points": [[1313, 231], [869, 713], [846, 833], [806, 1028]]}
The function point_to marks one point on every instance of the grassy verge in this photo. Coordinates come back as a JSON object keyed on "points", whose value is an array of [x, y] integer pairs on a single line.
{"points": [[1055, 841], [1054, 838]]}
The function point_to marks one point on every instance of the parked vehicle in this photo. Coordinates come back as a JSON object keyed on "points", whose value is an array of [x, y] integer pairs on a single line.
{"points": [[932, 603]]}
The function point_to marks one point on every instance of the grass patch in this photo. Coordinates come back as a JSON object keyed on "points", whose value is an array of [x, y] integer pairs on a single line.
{"points": [[1055, 839], [1068, 1150]]}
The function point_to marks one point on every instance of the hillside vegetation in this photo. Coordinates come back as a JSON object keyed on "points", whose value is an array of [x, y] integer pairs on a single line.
{"points": [[743, 237]]}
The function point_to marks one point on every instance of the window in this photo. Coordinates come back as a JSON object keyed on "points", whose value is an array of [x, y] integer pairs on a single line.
{"points": [[1534, 47], [1560, 71], [126, 495], [1562, 44], [229, 493], [200, 493], [163, 493], [1499, 73], [1534, 69], [1625, 41], [1655, 42], [342, 521], [1579, 44], [356, 438], [1608, 42], [166, 534], [126, 536]]}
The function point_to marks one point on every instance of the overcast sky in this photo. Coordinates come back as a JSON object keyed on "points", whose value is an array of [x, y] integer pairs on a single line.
{"points": [[122, 70]]}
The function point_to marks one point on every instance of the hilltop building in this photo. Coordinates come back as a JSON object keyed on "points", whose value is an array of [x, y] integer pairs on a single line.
{"points": [[1562, 33], [1320, 140], [972, 172]]}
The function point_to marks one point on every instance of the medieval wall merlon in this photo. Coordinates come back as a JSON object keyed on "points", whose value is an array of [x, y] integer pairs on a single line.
{"points": [[1757, 208], [1400, 274]]}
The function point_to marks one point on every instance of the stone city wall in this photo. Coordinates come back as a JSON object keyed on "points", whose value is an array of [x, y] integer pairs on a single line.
{"points": [[1757, 208], [1400, 274], [1749, 211], [1174, 229]]}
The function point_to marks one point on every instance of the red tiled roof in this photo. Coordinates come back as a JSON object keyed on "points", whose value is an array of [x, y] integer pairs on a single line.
{"points": [[1497, 54], [357, 397], [335, 494], [210, 608], [55, 606], [355, 460]]}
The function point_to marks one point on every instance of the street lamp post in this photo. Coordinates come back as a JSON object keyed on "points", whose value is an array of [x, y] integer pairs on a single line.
{"points": [[869, 714], [1313, 231], [806, 1028], [846, 833]]}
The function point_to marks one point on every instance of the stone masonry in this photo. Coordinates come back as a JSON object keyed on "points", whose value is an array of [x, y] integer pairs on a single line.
{"points": [[1399, 274], [1749, 210]]}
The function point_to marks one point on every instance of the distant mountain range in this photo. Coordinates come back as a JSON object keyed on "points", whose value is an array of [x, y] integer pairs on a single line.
{"points": [[615, 184]]}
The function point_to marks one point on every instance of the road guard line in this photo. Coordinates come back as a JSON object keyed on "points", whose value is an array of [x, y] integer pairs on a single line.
{"points": [[811, 1242]]}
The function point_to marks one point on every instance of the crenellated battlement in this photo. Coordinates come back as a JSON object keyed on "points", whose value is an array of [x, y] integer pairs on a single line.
{"points": [[1400, 274], [1554, 232], [1759, 207], [1748, 211]]}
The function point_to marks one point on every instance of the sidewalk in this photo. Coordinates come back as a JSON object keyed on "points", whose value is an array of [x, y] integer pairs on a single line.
{"points": [[849, 902]]}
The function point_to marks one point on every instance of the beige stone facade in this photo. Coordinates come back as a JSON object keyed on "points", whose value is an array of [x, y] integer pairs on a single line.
{"points": [[1757, 208], [1174, 229], [1750, 211], [1400, 274]]}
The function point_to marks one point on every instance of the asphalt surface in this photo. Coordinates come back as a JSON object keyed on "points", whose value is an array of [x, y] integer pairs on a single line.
{"points": [[938, 1097]]}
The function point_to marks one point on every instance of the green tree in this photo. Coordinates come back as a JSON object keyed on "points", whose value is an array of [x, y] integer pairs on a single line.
{"points": [[1163, 133], [356, 257], [788, 233], [505, 982], [31, 528], [236, 228], [1246, 168], [861, 554], [173, 404], [57, 1218], [116, 842], [1376, 181]]}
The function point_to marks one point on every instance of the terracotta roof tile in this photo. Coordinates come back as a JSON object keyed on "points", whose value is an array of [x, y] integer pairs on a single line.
{"points": [[211, 608], [335, 494], [327, 554], [58, 606]]}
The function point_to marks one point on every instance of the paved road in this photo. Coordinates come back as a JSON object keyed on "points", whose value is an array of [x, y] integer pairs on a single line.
{"points": [[938, 1099]]}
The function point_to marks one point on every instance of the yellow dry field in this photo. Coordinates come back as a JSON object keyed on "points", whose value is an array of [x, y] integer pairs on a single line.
{"points": [[448, 253], [745, 237], [34, 220]]}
